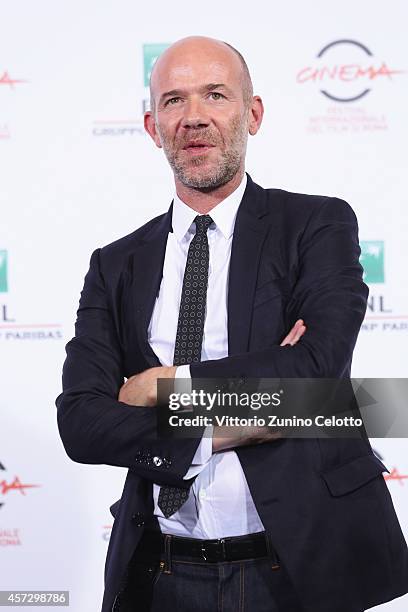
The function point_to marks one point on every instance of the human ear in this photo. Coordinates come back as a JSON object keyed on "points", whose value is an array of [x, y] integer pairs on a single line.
{"points": [[151, 129], [256, 112]]}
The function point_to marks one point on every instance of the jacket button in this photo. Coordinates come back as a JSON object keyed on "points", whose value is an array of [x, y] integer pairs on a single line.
{"points": [[157, 461], [138, 518]]}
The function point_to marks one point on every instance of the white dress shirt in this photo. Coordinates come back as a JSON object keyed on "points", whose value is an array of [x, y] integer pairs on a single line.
{"points": [[219, 503]]}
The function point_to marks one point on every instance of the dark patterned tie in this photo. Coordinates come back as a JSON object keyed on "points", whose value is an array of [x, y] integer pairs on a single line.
{"points": [[190, 330]]}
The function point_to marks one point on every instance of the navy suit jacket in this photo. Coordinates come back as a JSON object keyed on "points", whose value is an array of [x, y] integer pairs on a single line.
{"points": [[324, 502]]}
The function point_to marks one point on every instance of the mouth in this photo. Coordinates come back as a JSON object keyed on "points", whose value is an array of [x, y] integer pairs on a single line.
{"points": [[197, 147]]}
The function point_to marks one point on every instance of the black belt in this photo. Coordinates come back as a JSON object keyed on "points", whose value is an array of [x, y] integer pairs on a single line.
{"points": [[235, 548]]}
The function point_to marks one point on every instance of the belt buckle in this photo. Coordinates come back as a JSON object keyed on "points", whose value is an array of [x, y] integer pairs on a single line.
{"points": [[214, 553], [223, 549]]}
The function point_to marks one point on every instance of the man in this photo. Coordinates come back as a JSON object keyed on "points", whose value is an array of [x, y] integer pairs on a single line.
{"points": [[227, 523]]}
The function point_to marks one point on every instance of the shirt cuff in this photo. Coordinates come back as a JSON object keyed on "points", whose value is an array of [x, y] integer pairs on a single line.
{"points": [[182, 371], [202, 455], [183, 383], [204, 450]]}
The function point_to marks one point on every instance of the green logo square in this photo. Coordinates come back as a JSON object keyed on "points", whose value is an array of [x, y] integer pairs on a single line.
{"points": [[151, 52], [3, 271], [372, 260]]}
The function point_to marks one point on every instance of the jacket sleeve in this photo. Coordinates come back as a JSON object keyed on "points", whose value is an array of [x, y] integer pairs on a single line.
{"points": [[94, 426], [329, 295]]}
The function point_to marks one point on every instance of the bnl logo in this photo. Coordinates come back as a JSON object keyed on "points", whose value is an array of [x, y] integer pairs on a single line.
{"points": [[3, 271], [372, 260], [151, 52]]}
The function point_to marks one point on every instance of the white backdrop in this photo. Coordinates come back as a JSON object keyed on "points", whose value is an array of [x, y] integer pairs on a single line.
{"points": [[77, 172]]}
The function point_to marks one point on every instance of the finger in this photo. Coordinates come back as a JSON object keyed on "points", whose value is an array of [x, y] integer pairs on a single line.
{"points": [[299, 333], [292, 334], [288, 339]]}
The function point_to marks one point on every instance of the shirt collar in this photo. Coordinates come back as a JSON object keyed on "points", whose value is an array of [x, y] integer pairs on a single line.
{"points": [[223, 214]]}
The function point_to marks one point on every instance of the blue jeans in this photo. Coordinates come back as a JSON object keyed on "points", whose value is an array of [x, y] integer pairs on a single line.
{"points": [[188, 584], [235, 586]]}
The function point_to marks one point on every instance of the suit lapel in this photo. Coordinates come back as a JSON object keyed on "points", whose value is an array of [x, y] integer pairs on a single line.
{"points": [[148, 262], [249, 235]]}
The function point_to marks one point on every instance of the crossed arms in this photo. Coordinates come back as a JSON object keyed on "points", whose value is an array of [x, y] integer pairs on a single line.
{"points": [[98, 427]]}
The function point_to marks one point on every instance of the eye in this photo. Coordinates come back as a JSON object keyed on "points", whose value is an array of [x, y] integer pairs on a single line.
{"points": [[216, 95], [172, 101]]}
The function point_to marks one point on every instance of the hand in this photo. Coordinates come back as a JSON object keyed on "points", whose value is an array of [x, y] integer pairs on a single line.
{"points": [[228, 437], [295, 333], [141, 389]]}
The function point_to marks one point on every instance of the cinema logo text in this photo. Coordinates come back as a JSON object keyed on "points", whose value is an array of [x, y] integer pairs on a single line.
{"points": [[394, 474], [344, 72], [12, 485], [15, 485], [10, 536], [7, 80], [346, 82]]}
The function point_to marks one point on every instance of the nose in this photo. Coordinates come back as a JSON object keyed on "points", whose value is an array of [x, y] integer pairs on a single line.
{"points": [[194, 115]]}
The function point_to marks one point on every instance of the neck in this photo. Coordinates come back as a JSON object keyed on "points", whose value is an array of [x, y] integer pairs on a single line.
{"points": [[202, 201]]}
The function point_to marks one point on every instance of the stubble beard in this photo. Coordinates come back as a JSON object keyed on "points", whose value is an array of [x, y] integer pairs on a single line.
{"points": [[228, 163]]}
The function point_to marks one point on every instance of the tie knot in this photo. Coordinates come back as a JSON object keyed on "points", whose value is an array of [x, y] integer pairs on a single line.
{"points": [[202, 222]]}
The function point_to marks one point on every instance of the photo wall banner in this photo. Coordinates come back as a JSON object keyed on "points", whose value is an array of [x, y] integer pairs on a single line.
{"points": [[78, 172]]}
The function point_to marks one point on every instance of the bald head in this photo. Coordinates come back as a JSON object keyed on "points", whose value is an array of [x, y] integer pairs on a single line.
{"points": [[205, 49], [202, 111]]}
